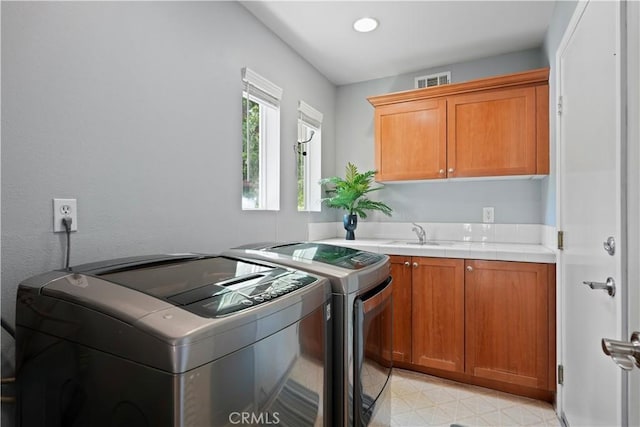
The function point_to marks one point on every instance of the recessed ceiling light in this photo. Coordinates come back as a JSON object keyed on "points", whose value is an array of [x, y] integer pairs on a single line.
{"points": [[364, 25]]}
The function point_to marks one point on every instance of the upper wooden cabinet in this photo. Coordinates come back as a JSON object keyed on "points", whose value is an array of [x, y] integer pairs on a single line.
{"points": [[487, 127], [415, 140], [492, 133]]}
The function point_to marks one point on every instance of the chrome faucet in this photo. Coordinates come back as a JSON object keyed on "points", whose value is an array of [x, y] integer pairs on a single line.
{"points": [[420, 232]]}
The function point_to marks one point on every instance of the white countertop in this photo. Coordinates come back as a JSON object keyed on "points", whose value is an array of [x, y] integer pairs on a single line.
{"points": [[452, 249]]}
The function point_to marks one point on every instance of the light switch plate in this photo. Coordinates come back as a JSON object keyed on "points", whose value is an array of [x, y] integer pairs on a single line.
{"points": [[62, 208]]}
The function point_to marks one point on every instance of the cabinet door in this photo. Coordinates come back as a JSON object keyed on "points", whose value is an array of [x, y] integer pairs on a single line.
{"points": [[507, 318], [411, 140], [401, 274], [438, 313], [492, 133]]}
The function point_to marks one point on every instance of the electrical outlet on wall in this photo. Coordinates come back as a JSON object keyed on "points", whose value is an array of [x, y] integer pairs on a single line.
{"points": [[487, 214], [62, 208]]}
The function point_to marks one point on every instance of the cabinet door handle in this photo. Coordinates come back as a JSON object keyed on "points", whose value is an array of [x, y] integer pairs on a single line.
{"points": [[451, 170], [469, 268], [407, 263], [441, 171], [415, 265]]}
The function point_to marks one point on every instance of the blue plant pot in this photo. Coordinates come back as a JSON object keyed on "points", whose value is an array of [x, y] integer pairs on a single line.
{"points": [[350, 224]]}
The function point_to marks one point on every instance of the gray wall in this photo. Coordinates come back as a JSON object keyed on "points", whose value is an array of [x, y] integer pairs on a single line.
{"points": [[134, 108], [561, 16], [515, 201]]}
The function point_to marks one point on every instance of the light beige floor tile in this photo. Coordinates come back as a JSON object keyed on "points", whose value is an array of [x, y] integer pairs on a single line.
{"points": [[417, 401], [422, 400], [399, 406], [409, 419], [435, 416], [401, 388]]}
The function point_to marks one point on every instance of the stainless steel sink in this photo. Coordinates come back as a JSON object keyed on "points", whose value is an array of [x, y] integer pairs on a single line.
{"points": [[404, 242]]}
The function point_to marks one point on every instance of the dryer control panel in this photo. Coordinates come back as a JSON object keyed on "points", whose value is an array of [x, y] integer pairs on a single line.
{"points": [[338, 256]]}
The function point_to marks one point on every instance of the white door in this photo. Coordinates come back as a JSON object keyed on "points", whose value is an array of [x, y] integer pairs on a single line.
{"points": [[589, 212]]}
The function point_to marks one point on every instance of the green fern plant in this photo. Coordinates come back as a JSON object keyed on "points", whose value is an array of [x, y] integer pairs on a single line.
{"points": [[350, 193]]}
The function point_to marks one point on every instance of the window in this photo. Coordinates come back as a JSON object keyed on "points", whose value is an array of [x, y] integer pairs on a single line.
{"points": [[260, 143], [309, 157]]}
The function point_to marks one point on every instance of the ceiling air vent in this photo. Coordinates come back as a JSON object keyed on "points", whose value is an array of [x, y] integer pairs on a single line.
{"points": [[433, 80]]}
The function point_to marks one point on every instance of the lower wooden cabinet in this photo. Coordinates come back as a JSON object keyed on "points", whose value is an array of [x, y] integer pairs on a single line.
{"points": [[401, 273], [507, 318], [487, 322], [437, 308]]}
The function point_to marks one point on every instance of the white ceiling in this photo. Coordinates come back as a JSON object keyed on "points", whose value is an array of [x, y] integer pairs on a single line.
{"points": [[412, 35]]}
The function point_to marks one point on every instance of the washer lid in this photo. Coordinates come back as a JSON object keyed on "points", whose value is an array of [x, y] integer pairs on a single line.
{"points": [[338, 256], [209, 286], [170, 278]]}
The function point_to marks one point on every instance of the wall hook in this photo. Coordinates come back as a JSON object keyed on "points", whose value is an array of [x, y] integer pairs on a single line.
{"points": [[298, 149]]}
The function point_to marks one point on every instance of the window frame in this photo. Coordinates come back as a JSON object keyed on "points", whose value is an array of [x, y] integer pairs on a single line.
{"points": [[267, 95], [309, 118]]}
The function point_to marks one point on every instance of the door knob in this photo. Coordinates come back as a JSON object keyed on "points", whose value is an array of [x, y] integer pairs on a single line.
{"points": [[406, 264], [451, 170], [441, 172], [609, 286], [469, 268], [626, 354], [415, 265]]}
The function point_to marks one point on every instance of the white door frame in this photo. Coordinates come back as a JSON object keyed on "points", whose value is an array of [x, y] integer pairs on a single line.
{"points": [[633, 199], [624, 130]]}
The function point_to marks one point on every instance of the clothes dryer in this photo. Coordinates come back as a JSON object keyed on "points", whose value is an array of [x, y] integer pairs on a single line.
{"points": [[362, 327]]}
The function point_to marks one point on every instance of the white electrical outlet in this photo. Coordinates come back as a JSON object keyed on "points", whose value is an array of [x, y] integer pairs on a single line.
{"points": [[62, 208], [487, 214]]}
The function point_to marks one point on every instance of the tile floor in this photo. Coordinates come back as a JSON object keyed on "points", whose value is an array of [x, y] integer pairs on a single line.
{"points": [[423, 400]]}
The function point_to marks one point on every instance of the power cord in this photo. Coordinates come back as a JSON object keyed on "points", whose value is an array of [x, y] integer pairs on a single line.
{"points": [[66, 222]]}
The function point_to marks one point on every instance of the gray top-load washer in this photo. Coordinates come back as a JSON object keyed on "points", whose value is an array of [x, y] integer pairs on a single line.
{"points": [[362, 322], [178, 340]]}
